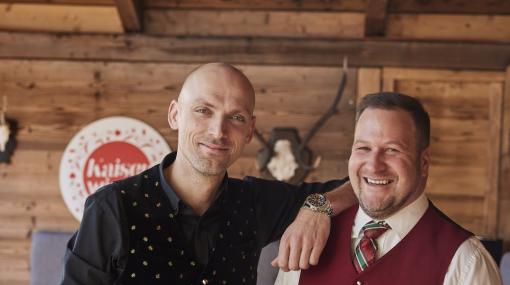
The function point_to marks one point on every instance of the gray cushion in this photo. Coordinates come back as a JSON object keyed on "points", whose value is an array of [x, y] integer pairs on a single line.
{"points": [[266, 274], [505, 268], [46, 257]]}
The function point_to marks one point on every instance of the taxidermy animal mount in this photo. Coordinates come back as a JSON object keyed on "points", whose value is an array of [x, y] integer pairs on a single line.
{"points": [[285, 156]]}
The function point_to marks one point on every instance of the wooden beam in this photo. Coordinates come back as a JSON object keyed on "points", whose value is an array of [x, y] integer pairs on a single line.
{"points": [[500, 7], [59, 18], [450, 7], [130, 13], [263, 51], [375, 19]]}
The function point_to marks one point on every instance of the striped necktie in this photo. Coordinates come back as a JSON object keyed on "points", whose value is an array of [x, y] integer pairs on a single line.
{"points": [[365, 252]]}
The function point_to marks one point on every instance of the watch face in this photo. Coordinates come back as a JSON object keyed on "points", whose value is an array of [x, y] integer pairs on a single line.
{"points": [[317, 200]]}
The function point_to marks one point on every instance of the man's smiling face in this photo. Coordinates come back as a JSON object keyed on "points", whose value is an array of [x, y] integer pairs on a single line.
{"points": [[386, 169]]}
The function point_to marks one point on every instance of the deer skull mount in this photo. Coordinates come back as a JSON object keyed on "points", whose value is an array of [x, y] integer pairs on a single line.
{"points": [[285, 156], [8, 129]]}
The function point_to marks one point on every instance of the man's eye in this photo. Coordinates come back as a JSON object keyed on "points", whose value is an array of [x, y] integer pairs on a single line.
{"points": [[392, 150], [202, 110], [239, 118], [363, 148]]}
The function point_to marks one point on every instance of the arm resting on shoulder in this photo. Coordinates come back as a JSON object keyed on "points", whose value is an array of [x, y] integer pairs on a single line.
{"points": [[303, 241]]}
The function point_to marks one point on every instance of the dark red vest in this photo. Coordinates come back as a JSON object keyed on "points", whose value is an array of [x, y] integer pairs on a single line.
{"points": [[422, 257]]}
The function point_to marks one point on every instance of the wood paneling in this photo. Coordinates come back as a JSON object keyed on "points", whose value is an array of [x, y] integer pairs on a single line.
{"points": [[59, 18], [255, 51], [504, 169], [254, 23], [465, 110], [449, 27]]}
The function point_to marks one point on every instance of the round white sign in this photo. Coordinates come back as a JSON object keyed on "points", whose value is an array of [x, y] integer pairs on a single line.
{"points": [[105, 151]]}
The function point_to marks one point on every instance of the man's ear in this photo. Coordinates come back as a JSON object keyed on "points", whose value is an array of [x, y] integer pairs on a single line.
{"points": [[249, 136], [173, 115]]}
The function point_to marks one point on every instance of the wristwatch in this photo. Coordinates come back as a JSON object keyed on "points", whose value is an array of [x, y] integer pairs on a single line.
{"points": [[318, 203]]}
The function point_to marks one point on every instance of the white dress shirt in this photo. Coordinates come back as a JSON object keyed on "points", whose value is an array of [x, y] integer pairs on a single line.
{"points": [[471, 264]]}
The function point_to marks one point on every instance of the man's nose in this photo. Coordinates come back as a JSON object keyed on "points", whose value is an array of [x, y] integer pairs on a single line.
{"points": [[376, 162], [217, 128]]}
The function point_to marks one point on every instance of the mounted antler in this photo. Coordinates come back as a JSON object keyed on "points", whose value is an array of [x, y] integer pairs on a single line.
{"points": [[285, 156]]}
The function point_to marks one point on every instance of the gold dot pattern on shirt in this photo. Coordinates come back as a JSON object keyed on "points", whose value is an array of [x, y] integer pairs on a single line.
{"points": [[133, 251], [171, 215], [145, 239], [181, 276], [192, 263], [158, 205], [135, 204], [157, 276], [146, 195], [158, 227], [150, 248], [223, 282], [156, 184], [146, 215], [170, 263], [122, 191], [145, 263], [133, 227], [145, 176], [133, 275], [169, 239]]}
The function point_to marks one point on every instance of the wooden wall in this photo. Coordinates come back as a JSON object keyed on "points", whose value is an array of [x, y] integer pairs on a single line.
{"points": [[61, 70]]}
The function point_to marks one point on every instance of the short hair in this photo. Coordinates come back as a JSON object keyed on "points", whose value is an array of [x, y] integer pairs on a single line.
{"points": [[394, 100]]}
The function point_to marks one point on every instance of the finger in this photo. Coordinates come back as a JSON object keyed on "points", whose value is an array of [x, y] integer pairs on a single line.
{"points": [[317, 250], [304, 260], [295, 254], [283, 256]]}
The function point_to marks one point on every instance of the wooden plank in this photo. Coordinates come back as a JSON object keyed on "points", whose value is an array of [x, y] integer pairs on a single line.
{"points": [[130, 13], [59, 18], [395, 6], [260, 51], [66, 2], [450, 7], [254, 24], [369, 81], [448, 27], [318, 5], [504, 168], [491, 197], [375, 19], [441, 75]]}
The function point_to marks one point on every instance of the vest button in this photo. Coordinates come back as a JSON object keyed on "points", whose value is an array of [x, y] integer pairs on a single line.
{"points": [[358, 283], [205, 281]]}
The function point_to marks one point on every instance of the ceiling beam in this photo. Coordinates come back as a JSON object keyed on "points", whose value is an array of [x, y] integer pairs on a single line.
{"points": [[375, 19], [131, 15], [263, 51]]}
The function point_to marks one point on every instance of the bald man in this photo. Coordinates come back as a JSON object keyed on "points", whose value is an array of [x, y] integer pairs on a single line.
{"points": [[185, 221]]}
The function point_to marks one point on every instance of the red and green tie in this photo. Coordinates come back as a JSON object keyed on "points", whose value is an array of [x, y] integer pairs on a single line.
{"points": [[366, 250]]}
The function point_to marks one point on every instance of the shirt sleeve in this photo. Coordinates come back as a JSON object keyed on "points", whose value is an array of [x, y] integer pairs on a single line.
{"points": [[93, 253], [277, 204], [472, 264]]}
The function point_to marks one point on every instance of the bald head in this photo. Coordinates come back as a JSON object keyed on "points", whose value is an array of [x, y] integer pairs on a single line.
{"points": [[221, 79], [214, 118]]}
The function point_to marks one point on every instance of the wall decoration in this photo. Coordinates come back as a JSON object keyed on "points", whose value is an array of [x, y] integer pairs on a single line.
{"points": [[105, 151], [8, 130], [285, 156]]}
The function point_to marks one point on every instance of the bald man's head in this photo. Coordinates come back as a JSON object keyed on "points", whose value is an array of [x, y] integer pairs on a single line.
{"points": [[218, 76], [214, 118]]}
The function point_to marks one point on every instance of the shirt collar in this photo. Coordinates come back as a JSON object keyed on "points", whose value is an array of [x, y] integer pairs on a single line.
{"points": [[401, 222], [169, 191]]}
